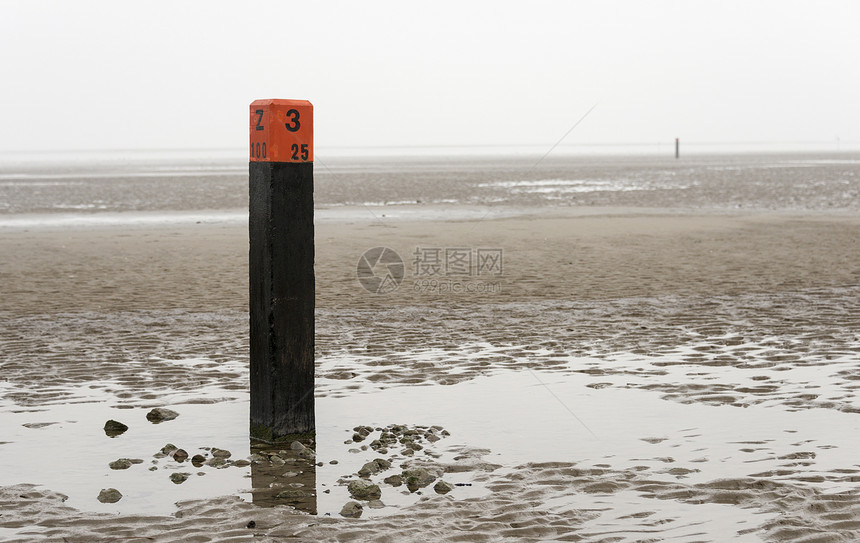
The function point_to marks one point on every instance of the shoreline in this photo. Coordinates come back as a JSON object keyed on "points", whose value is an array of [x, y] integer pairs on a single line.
{"points": [[59, 221]]}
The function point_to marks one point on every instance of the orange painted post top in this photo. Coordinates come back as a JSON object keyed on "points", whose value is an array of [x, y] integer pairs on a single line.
{"points": [[282, 131]]}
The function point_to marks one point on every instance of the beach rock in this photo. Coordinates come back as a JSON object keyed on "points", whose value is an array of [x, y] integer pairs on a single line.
{"points": [[179, 478], [374, 467], [220, 453], [109, 495], [122, 463], [241, 463], [370, 468], [375, 504], [297, 446], [443, 487], [363, 430], [332, 462], [180, 455], [217, 462], [385, 440], [114, 428], [364, 490], [169, 448], [417, 478], [351, 510], [161, 414], [394, 480], [198, 460]]}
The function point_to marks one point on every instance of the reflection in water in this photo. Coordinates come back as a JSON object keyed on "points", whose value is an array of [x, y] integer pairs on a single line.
{"points": [[284, 475]]}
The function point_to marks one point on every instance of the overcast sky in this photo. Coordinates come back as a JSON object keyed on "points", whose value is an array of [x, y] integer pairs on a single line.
{"points": [[180, 74]]}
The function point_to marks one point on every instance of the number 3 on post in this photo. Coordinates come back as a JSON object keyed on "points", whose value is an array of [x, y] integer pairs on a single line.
{"points": [[282, 131]]}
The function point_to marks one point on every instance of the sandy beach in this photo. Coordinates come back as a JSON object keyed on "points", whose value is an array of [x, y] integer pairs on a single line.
{"points": [[633, 373]]}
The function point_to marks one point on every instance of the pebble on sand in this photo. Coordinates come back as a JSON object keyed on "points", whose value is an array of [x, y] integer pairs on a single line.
{"points": [[121, 463], [161, 414], [180, 455], [109, 495], [394, 480], [418, 478], [197, 460], [443, 487], [114, 428], [218, 462], [351, 510], [179, 478], [364, 490], [374, 467]]}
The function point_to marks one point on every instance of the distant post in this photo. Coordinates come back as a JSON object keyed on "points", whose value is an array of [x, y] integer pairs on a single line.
{"points": [[281, 267], [677, 148]]}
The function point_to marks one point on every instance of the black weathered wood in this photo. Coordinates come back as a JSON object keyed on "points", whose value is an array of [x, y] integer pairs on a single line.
{"points": [[281, 269]]}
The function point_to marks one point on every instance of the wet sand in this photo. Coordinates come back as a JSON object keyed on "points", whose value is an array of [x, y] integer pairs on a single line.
{"points": [[739, 332]]}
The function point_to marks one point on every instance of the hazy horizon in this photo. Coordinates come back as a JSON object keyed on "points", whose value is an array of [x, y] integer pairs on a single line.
{"points": [[98, 75]]}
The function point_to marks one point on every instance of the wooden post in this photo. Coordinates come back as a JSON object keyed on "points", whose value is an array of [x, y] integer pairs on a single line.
{"points": [[281, 266], [677, 148]]}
